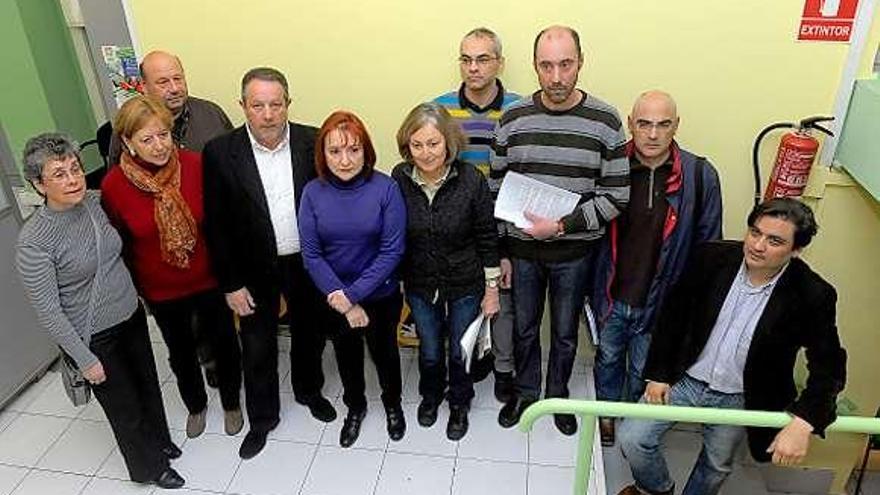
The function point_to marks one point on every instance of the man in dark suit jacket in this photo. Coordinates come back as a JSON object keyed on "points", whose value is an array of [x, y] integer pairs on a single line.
{"points": [[728, 337], [253, 183]]}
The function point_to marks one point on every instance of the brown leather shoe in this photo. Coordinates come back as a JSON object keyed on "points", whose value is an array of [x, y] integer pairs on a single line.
{"points": [[232, 421], [606, 431], [195, 423]]}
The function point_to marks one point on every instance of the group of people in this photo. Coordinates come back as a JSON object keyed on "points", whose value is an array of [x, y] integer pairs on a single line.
{"points": [[220, 231]]}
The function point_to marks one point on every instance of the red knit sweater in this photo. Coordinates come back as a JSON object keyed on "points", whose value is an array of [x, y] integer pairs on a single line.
{"points": [[131, 211]]}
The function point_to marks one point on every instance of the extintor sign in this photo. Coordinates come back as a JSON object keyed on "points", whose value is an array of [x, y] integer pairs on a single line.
{"points": [[828, 20]]}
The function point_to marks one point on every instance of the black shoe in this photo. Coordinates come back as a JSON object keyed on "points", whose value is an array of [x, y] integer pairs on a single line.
{"points": [[606, 431], [427, 413], [351, 427], [169, 480], [566, 423], [510, 413], [457, 426], [396, 422], [253, 443], [320, 407], [172, 451], [504, 388]]}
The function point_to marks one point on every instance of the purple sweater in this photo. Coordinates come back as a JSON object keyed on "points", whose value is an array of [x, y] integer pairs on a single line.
{"points": [[352, 235]]}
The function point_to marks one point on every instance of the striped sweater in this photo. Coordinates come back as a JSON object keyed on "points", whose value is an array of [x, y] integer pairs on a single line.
{"points": [[477, 123], [56, 257], [581, 150]]}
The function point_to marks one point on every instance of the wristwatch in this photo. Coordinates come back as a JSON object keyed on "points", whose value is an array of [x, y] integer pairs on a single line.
{"points": [[492, 283]]}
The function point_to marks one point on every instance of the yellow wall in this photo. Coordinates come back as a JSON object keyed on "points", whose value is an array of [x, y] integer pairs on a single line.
{"points": [[734, 67]]}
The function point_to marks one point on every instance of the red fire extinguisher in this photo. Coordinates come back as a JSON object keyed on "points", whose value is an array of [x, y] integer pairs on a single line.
{"points": [[794, 159]]}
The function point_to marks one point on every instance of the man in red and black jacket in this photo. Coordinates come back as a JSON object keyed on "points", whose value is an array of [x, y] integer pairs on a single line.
{"points": [[675, 203]]}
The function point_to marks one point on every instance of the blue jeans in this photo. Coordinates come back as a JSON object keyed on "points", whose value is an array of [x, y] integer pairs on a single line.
{"points": [[621, 355], [435, 322], [568, 283], [641, 439]]}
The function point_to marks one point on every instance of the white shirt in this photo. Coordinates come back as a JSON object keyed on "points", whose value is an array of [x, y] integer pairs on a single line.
{"points": [[276, 174]]}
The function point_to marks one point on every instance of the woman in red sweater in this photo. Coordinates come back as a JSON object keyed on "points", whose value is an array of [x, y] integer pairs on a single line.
{"points": [[154, 199]]}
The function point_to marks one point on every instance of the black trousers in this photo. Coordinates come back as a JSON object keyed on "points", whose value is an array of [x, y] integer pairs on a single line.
{"points": [[131, 398], [381, 337], [180, 321], [259, 343]]}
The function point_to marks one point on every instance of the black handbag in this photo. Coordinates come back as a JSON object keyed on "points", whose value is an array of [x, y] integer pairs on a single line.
{"points": [[77, 388]]}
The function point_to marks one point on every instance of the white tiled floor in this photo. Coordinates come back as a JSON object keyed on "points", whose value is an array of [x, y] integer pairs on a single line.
{"points": [[47, 447]]}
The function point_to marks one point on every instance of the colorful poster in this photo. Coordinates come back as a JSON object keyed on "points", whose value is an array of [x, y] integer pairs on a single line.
{"points": [[828, 20], [122, 69]]}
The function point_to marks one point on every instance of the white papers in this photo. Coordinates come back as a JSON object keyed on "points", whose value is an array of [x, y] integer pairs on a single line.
{"points": [[591, 322], [476, 340], [519, 194]]}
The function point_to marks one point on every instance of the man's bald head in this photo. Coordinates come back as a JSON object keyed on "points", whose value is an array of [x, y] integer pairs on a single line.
{"points": [[653, 123], [656, 98], [164, 79]]}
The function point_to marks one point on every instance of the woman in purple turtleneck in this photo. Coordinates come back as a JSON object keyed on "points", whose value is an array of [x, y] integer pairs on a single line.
{"points": [[352, 224]]}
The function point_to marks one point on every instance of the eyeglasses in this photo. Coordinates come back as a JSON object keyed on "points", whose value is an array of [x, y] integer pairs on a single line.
{"points": [[647, 125], [482, 60], [61, 175]]}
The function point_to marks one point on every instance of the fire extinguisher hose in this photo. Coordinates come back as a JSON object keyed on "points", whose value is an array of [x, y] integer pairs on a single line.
{"points": [[756, 149]]}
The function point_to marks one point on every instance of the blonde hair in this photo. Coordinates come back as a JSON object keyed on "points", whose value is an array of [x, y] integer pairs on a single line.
{"points": [[136, 112]]}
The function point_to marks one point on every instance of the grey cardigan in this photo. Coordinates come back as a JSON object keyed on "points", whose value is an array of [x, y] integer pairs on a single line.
{"points": [[56, 257]]}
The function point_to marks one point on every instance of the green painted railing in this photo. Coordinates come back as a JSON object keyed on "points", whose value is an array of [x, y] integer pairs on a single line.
{"points": [[589, 410]]}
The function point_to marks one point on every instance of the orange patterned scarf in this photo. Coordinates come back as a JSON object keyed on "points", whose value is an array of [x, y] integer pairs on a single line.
{"points": [[177, 227]]}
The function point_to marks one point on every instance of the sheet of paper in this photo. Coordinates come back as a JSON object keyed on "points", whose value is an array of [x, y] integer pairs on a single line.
{"points": [[520, 193], [591, 322], [469, 340]]}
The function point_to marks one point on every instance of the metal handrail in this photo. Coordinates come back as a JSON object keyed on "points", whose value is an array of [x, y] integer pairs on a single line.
{"points": [[588, 410]]}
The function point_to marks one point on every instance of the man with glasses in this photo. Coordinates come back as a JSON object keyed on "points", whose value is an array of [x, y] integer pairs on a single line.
{"points": [[567, 138], [476, 106], [675, 203]]}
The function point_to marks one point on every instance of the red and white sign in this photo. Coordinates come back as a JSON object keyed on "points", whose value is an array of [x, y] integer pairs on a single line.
{"points": [[828, 20]]}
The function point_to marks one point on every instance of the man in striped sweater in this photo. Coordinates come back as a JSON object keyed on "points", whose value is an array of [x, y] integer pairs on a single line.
{"points": [[565, 137], [477, 106]]}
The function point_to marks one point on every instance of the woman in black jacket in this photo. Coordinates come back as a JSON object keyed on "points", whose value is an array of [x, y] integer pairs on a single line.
{"points": [[451, 266]]}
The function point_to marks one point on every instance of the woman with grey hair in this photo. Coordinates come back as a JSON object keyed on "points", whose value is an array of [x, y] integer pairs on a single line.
{"points": [[68, 257], [450, 269]]}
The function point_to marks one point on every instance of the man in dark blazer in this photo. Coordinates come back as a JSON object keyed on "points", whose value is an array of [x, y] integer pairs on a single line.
{"points": [[728, 337], [253, 183]]}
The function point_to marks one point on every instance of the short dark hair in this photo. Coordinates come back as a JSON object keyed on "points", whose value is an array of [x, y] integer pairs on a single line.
{"points": [[347, 123], [268, 74], [574, 35], [792, 210]]}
